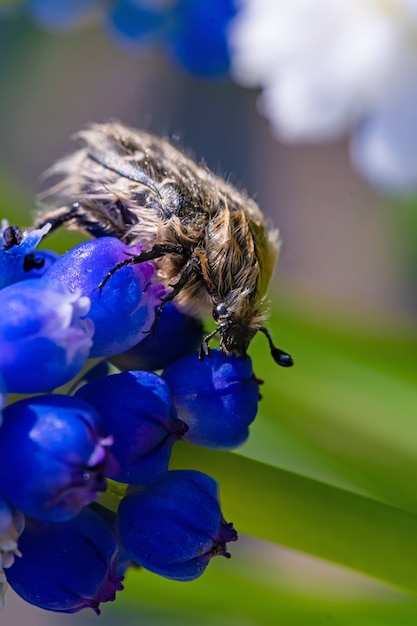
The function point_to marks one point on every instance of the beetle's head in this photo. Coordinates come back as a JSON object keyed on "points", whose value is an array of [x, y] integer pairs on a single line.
{"points": [[235, 336]]}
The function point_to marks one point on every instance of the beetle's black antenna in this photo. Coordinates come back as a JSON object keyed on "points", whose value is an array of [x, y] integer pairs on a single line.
{"points": [[282, 358]]}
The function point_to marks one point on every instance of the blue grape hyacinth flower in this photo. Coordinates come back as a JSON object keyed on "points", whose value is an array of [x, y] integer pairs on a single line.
{"points": [[45, 337], [174, 526], [123, 310], [54, 456], [67, 566], [176, 335], [217, 398], [136, 409]]}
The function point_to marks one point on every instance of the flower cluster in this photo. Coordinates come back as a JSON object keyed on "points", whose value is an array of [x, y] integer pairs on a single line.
{"points": [[192, 32], [106, 435]]}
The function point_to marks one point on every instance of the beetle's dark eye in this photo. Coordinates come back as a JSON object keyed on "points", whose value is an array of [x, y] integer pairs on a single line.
{"points": [[219, 311]]}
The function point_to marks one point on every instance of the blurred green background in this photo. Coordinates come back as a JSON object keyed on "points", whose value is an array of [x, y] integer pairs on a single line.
{"points": [[324, 491]]}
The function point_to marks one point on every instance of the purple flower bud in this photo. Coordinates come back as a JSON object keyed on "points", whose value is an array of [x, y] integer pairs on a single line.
{"points": [[173, 527], [136, 410], [43, 340], [54, 456], [17, 252], [12, 523], [217, 398], [176, 335], [125, 306], [67, 566]]}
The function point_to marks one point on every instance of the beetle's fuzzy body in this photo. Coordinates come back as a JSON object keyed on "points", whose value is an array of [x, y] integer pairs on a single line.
{"points": [[141, 189]]}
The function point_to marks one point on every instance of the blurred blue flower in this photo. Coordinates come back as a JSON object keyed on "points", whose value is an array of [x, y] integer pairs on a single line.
{"points": [[44, 340], [125, 307], [217, 398], [137, 23], [193, 32], [198, 39], [136, 409], [173, 527], [68, 566], [54, 456], [64, 14], [176, 335]]}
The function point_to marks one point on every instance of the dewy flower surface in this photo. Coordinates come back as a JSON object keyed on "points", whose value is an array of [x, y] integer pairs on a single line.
{"points": [[330, 66]]}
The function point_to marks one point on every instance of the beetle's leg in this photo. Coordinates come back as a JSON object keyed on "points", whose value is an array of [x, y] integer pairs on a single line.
{"points": [[191, 267], [158, 250], [60, 217], [204, 347]]}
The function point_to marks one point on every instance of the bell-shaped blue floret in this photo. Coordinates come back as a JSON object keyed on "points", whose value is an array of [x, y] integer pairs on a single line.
{"points": [[136, 410], [173, 527], [217, 398], [125, 306], [176, 335], [67, 566], [44, 338], [54, 456]]}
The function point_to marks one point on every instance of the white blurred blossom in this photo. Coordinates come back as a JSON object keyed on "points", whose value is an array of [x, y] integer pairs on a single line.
{"points": [[328, 67]]}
